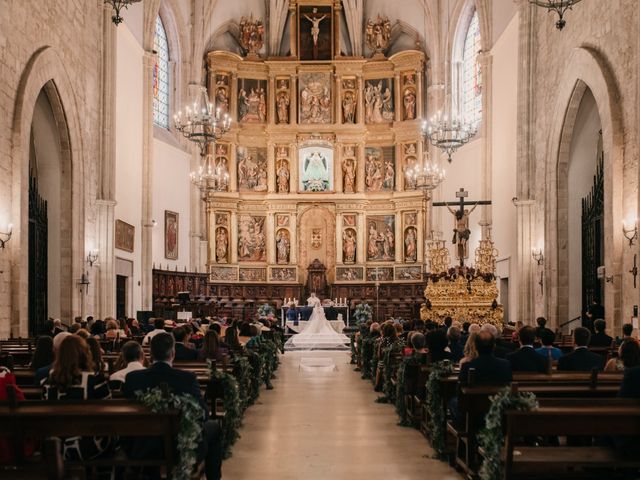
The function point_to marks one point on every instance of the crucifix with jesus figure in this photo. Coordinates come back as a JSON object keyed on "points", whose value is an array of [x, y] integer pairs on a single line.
{"points": [[461, 232]]}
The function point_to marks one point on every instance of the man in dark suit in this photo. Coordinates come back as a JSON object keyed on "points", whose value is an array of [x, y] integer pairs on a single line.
{"points": [[180, 382], [542, 327], [581, 359], [501, 348], [488, 369], [600, 338], [183, 351], [526, 359]]}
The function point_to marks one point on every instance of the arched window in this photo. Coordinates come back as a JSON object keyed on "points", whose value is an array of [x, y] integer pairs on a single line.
{"points": [[161, 77], [471, 75]]}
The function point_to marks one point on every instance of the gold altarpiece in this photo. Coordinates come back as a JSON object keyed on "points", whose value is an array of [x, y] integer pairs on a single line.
{"points": [[317, 160]]}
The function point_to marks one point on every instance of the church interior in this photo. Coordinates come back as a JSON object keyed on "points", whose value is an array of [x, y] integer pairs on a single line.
{"points": [[319, 238]]}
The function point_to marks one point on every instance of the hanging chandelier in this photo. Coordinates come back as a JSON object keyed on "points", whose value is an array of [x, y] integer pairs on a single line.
{"points": [[118, 5], [448, 134], [558, 6], [426, 177], [209, 178], [200, 124]]}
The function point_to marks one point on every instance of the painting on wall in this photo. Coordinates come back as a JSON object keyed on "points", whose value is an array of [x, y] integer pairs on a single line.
{"points": [[378, 101], [379, 169], [315, 98], [252, 169], [408, 273], [170, 235], [315, 27], [283, 274], [252, 243], [223, 274], [380, 274], [253, 274], [282, 220], [125, 235], [252, 100], [381, 238], [316, 169], [349, 274], [349, 220], [410, 218]]}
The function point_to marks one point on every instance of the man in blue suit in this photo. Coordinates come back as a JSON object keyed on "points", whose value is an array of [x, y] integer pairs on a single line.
{"points": [[179, 382]]}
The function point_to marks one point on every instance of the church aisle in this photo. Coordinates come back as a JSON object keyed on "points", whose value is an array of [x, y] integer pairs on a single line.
{"points": [[325, 425]]}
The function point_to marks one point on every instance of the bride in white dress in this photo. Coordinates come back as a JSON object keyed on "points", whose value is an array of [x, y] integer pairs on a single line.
{"points": [[318, 333]]}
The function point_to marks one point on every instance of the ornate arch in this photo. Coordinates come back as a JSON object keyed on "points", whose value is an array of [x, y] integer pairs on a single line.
{"points": [[585, 69], [45, 70]]}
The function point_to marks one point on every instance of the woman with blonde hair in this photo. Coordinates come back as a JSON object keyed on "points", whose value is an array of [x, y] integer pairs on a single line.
{"points": [[470, 352]]}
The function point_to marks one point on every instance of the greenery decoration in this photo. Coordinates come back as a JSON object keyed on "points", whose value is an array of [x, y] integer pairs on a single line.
{"points": [[232, 408], [269, 354], [368, 348], [161, 400], [437, 415], [363, 313], [256, 361], [265, 310], [388, 364], [242, 372], [352, 344], [401, 406], [491, 438]]}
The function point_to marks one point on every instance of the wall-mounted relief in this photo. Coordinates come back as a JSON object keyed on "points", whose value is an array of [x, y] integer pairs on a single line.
{"points": [[410, 245], [253, 275], [315, 98], [381, 244], [410, 218], [316, 169], [283, 245], [378, 101], [379, 274], [379, 169], [349, 169], [222, 94], [283, 101], [349, 245], [252, 100], [349, 100], [409, 96], [251, 36], [223, 274], [252, 245], [408, 273], [316, 238], [349, 274], [410, 161], [282, 220], [252, 169], [349, 219], [222, 165], [171, 235], [222, 245], [283, 274], [222, 219]]}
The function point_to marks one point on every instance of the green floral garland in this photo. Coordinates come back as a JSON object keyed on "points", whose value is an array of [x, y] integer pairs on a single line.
{"points": [[256, 361], [161, 400], [375, 359], [232, 409], [388, 388], [401, 406], [352, 344], [269, 355], [437, 414], [368, 347], [363, 313], [242, 372], [491, 438]]}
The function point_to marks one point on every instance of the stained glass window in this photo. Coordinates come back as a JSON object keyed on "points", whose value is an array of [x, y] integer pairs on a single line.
{"points": [[472, 74], [161, 77]]}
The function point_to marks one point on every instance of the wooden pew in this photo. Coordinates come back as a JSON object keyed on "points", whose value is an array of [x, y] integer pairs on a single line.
{"points": [[617, 417], [114, 418]]}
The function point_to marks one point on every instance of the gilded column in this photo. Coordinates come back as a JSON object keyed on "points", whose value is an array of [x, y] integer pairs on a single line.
{"points": [[233, 238], [293, 220], [271, 98], [360, 184], [337, 8], [293, 29], [398, 97], [360, 113], [293, 166], [420, 86], [233, 170], [293, 101], [362, 239], [338, 100], [339, 256], [233, 103], [399, 183], [271, 238], [271, 168], [337, 171]]}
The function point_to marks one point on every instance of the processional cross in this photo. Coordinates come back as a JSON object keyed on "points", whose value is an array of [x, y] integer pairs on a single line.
{"points": [[461, 231]]}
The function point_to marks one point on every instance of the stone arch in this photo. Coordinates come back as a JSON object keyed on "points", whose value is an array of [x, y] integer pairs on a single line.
{"points": [[45, 71], [584, 69]]}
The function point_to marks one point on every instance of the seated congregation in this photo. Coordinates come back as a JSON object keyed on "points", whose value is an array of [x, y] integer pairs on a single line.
{"points": [[119, 399], [522, 403]]}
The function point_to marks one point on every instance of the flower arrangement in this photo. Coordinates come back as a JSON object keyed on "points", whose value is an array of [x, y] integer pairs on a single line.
{"points": [[437, 414], [363, 313], [160, 400], [469, 273], [491, 438], [265, 310]]}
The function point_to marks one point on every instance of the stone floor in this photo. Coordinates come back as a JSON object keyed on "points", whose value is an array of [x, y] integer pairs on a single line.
{"points": [[323, 423]]}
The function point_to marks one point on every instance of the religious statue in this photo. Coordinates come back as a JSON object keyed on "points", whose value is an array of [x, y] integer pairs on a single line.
{"points": [[315, 29], [378, 102], [349, 175], [349, 107], [252, 104], [377, 35], [389, 174], [315, 98], [222, 101], [282, 246], [222, 245], [372, 243], [251, 36], [410, 245], [461, 231], [283, 176], [282, 104], [373, 173], [349, 242], [409, 104]]}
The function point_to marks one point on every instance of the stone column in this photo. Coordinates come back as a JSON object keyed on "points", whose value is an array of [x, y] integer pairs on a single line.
{"points": [[397, 97], [293, 256], [233, 238], [362, 239], [337, 170], [339, 251], [146, 249], [271, 238], [420, 90], [360, 107], [293, 101], [525, 223], [337, 8], [271, 168], [293, 29], [486, 62]]}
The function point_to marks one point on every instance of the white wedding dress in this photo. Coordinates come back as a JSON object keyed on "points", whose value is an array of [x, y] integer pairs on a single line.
{"points": [[318, 333]]}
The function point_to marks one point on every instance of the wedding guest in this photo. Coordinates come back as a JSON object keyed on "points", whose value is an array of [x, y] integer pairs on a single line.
{"points": [[470, 352], [131, 359], [526, 359], [134, 327], [43, 354], [514, 336], [418, 342], [488, 368], [212, 348], [83, 333], [43, 372], [96, 354], [437, 344], [74, 377], [627, 333], [547, 349], [231, 338], [581, 359], [98, 329], [158, 327], [456, 348], [114, 332], [542, 326], [184, 352], [600, 338], [628, 357]]}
